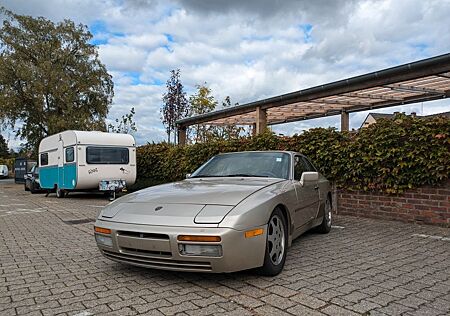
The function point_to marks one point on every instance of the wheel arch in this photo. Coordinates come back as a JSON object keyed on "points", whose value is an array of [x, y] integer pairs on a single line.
{"points": [[287, 216], [333, 206]]}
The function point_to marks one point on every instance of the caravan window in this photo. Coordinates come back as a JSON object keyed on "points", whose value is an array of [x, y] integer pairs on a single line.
{"points": [[107, 155], [70, 155], [44, 159]]}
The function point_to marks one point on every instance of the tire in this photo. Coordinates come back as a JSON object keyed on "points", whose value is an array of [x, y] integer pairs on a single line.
{"points": [[276, 244], [33, 188], [25, 186], [325, 226], [60, 193]]}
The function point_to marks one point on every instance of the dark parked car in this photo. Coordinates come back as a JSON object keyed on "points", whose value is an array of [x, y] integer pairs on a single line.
{"points": [[21, 167], [32, 180]]}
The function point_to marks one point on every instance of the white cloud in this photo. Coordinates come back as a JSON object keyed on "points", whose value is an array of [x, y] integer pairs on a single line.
{"points": [[122, 57], [251, 49]]}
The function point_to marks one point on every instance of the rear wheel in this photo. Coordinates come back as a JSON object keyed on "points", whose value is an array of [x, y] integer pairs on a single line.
{"points": [[33, 187], [60, 193], [325, 226], [276, 244]]}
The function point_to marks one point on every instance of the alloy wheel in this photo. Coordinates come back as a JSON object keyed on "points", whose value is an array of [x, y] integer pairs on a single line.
{"points": [[328, 212], [276, 239]]}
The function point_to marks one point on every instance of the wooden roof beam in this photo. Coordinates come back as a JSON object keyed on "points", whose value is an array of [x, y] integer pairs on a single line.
{"points": [[277, 110], [335, 102], [444, 75], [371, 96], [401, 87]]}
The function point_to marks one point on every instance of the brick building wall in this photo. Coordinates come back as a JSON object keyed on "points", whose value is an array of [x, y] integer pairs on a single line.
{"points": [[428, 205]]}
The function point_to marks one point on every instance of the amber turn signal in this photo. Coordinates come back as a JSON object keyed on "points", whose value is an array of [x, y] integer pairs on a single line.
{"points": [[199, 238], [102, 230], [254, 232]]}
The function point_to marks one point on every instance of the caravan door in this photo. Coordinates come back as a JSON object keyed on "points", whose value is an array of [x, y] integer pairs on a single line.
{"points": [[60, 163], [70, 168]]}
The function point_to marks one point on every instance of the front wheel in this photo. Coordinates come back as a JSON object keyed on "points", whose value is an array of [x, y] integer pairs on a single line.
{"points": [[276, 244]]}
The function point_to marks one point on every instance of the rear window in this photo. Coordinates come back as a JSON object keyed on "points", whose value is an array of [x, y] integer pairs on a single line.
{"points": [[107, 155]]}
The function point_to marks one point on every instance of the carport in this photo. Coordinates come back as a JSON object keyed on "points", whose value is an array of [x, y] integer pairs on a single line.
{"points": [[420, 81]]}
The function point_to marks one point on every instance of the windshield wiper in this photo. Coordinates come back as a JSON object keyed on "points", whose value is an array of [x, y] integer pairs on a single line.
{"points": [[227, 175], [244, 175], [204, 176]]}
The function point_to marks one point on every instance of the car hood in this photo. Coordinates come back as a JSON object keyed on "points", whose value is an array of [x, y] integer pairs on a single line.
{"points": [[184, 203]]}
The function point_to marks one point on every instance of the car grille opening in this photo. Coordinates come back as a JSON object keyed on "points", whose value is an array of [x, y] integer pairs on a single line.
{"points": [[161, 263], [143, 235], [148, 252]]}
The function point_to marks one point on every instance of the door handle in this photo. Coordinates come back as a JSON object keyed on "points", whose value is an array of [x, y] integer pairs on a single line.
{"points": [[316, 187]]}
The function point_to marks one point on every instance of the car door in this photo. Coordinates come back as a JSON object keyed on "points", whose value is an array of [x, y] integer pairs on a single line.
{"points": [[316, 197], [307, 193]]}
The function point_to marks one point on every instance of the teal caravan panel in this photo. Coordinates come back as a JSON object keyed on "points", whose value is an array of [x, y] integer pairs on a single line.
{"points": [[48, 177], [60, 177], [70, 176], [65, 177]]}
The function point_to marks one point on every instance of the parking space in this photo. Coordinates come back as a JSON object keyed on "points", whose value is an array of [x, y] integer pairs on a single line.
{"points": [[49, 264]]}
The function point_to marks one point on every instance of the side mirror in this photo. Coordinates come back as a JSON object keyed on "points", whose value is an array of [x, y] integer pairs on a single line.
{"points": [[309, 176], [188, 175]]}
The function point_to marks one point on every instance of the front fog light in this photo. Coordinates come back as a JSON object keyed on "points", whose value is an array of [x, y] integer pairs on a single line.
{"points": [[104, 240], [200, 250]]}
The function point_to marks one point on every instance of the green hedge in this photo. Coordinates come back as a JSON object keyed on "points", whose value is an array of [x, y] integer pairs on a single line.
{"points": [[389, 156], [9, 162]]}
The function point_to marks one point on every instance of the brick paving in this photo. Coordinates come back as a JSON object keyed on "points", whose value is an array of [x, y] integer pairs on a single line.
{"points": [[51, 266]]}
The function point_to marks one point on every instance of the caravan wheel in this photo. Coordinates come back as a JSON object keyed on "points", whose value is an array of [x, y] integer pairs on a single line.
{"points": [[60, 193]]}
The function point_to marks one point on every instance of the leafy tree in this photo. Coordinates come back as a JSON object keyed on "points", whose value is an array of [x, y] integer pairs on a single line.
{"points": [[4, 153], [51, 78], [228, 131], [175, 105], [125, 125], [200, 103], [12, 153]]}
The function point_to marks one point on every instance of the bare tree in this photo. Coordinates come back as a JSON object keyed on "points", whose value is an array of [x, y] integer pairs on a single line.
{"points": [[175, 105]]}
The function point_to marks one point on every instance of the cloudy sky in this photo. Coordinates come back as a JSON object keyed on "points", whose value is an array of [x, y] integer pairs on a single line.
{"points": [[249, 49]]}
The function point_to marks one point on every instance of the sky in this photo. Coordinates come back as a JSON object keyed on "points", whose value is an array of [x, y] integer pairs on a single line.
{"points": [[249, 50]]}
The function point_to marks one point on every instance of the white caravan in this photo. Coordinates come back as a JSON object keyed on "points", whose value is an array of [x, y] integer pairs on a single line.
{"points": [[81, 160]]}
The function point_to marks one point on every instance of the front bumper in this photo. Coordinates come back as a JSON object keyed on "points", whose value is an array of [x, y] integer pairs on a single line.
{"points": [[157, 247]]}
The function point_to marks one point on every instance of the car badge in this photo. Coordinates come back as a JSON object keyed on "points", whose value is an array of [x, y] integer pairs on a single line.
{"points": [[158, 208]]}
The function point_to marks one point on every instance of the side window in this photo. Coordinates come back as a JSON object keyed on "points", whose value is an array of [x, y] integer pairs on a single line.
{"points": [[298, 168], [44, 159], [70, 154], [308, 165]]}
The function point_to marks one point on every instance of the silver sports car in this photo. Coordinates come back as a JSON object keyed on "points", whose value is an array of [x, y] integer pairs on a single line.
{"points": [[237, 211]]}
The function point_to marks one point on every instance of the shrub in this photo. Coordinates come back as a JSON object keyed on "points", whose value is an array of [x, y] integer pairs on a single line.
{"points": [[8, 162], [389, 156]]}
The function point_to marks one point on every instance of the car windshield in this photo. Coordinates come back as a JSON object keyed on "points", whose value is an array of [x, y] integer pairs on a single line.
{"points": [[246, 164]]}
